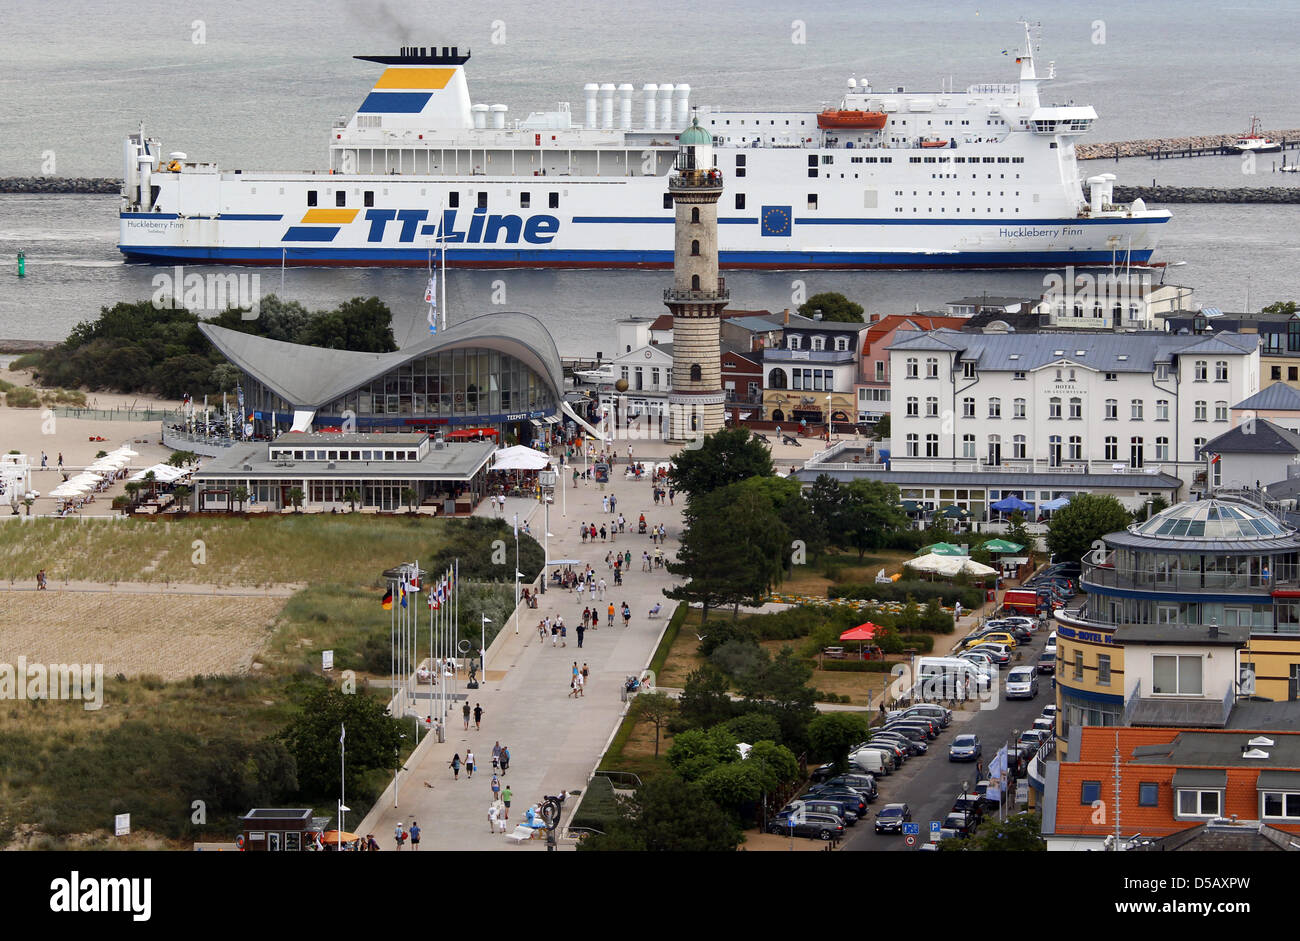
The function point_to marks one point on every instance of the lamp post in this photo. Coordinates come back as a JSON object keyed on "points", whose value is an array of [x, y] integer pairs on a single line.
{"points": [[830, 422], [482, 646]]}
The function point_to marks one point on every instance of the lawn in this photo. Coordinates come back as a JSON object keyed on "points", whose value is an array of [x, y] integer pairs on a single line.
{"points": [[190, 679], [847, 569]]}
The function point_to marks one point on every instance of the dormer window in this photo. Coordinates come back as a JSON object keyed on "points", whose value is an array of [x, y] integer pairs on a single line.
{"points": [[794, 342], [818, 344], [841, 344]]}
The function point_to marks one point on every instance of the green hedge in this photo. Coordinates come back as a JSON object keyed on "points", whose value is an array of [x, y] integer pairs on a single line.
{"points": [[857, 666], [900, 590], [599, 807]]}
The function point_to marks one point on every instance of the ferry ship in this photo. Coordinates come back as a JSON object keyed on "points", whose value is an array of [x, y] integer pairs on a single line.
{"points": [[981, 178]]}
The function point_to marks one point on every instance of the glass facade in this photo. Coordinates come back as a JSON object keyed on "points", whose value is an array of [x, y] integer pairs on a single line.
{"points": [[465, 386]]}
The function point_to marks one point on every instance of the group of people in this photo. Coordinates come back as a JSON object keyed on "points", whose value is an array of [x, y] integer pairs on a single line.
{"points": [[578, 680]]}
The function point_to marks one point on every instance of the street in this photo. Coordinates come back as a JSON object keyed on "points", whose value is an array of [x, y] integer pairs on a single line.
{"points": [[930, 783]]}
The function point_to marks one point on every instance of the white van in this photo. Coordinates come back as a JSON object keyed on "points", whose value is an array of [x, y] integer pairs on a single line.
{"points": [[870, 761], [949, 677]]}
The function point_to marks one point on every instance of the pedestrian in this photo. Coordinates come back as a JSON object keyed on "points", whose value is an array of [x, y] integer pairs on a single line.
{"points": [[583, 530], [645, 561], [582, 586], [585, 674], [465, 713], [496, 757], [671, 494], [371, 843], [555, 634], [627, 558], [579, 681], [44, 462], [454, 765], [506, 795], [400, 835], [602, 532], [469, 764], [600, 586], [604, 504], [505, 761], [564, 632], [496, 787], [61, 465], [613, 503], [492, 817], [609, 560], [582, 629], [478, 715], [611, 614], [541, 630], [415, 835], [627, 614], [573, 687]]}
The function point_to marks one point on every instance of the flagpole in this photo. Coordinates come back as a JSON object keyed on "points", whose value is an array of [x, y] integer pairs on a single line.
{"points": [[343, 787], [443, 239]]}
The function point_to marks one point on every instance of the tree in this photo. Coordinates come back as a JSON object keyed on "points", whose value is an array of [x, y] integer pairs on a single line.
{"points": [[182, 495], [372, 739], [834, 307], [1081, 522], [832, 734], [724, 457], [151, 479], [353, 496], [133, 490], [704, 701], [871, 513], [882, 430], [1019, 532], [1144, 512], [1280, 307], [754, 727], [696, 752], [296, 497], [655, 708], [409, 496], [224, 378], [240, 494], [668, 814], [1018, 834], [181, 458]]}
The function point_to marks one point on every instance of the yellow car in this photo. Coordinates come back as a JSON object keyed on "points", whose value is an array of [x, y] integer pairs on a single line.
{"points": [[995, 637]]}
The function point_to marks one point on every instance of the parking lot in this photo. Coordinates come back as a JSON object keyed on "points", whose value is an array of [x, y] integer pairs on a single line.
{"points": [[930, 783]]}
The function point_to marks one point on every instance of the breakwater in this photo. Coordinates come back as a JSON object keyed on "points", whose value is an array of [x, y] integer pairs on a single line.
{"points": [[61, 184], [1144, 148], [1207, 194]]}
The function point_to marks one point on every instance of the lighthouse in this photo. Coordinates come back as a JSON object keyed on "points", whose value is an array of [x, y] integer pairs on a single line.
{"points": [[698, 296]]}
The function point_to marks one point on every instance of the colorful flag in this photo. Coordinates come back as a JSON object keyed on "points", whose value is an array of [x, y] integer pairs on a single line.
{"points": [[343, 731], [1215, 458], [431, 298], [388, 600], [402, 593]]}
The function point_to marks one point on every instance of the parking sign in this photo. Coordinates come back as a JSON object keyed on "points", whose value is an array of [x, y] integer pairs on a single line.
{"points": [[934, 826]]}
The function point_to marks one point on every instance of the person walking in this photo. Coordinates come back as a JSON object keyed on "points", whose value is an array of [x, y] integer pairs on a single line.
{"points": [[61, 461], [555, 632], [611, 614], [492, 817], [496, 758], [604, 505], [645, 561], [627, 614], [478, 715], [671, 494], [564, 633], [496, 787], [573, 687], [613, 503], [581, 629], [415, 835], [627, 559], [399, 835], [469, 765], [603, 537], [580, 684], [585, 674], [465, 712], [505, 760], [506, 796], [600, 586], [454, 765]]}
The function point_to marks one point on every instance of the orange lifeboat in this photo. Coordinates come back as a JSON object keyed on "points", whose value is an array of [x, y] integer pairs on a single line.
{"points": [[852, 120], [934, 143]]}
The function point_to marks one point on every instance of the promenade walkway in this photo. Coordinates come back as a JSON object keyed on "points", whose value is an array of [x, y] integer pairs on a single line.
{"points": [[555, 740]]}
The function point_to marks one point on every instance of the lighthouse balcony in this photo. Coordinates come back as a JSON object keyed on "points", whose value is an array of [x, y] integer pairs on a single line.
{"points": [[695, 179], [678, 295]]}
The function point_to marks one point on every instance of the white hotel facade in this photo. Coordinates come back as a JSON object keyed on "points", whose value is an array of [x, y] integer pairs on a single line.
{"points": [[1090, 402]]}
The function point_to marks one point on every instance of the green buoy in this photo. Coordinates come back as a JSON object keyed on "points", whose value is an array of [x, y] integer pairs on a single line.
{"points": [[22, 265]]}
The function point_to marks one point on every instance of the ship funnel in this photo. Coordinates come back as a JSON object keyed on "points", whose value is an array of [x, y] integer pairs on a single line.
{"points": [[625, 106], [666, 106], [607, 105], [683, 105], [499, 116], [480, 113], [591, 90], [650, 90]]}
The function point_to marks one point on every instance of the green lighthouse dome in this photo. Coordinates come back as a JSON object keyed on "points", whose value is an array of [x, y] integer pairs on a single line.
{"points": [[695, 135]]}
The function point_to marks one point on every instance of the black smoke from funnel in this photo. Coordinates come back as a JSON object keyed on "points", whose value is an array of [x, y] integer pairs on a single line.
{"points": [[381, 18]]}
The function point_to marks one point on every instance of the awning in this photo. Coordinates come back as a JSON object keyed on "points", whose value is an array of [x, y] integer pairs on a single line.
{"points": [[1002, 546], [1011, 505]]}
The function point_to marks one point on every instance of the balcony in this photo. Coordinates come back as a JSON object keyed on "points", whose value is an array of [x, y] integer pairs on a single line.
{"points": [[784, 355], [676, 296], [1105, 575], [710, 179], [1201, 712]]}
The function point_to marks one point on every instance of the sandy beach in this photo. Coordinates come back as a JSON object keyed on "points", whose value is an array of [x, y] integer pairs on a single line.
{"points": [[32, 431]]}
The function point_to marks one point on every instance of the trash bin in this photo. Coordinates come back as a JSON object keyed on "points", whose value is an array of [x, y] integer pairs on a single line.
{"points": [[442, 733], [622, 693]]}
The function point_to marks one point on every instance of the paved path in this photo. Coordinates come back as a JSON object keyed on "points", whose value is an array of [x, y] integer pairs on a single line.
{"points": [[555, 741]]}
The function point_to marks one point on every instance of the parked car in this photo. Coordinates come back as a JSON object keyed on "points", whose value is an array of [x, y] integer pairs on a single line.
{"points": [[961, 824], [1047, 661], [971, 803], [943, 714], [863, 783], [872, 761], [822, 772], [812, 825], [1047, 723], [845, 809], [1050, 711], [841, 795], [965, 748], [1019, 620], [891, 754], [1022, 683], [891, 817], [1000, 653], [920, 727], [909, 745], [1036, 736]]}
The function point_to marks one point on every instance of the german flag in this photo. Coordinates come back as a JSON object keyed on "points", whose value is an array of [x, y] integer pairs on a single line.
{"points": [[388, 600]]}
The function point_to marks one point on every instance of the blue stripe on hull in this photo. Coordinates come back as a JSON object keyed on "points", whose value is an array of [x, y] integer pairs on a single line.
{"points": [[596, 258]]}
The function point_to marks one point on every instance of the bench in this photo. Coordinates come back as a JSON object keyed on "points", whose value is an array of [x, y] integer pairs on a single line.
{"points": [[835, 653], [522, 832]]}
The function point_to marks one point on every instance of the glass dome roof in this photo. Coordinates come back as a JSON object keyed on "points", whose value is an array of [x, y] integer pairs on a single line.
{"points": [[1213, 520]]}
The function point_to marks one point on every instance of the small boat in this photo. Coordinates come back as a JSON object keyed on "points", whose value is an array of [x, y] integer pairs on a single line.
{"points": [[852, 120], [934, 143], [1290, 168], [1254, 142]]}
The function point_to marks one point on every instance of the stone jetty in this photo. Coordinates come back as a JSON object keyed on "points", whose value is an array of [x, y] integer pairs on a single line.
{"points": [[61, 184], [1141, 148], [1155, 195]]}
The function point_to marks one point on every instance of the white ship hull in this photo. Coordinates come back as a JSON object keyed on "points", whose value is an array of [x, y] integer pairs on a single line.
{"points": [[413, 169]]}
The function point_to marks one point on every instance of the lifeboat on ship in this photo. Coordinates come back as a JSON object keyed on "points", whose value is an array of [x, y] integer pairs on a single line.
{"points": [[934, 143], [852, 120]]}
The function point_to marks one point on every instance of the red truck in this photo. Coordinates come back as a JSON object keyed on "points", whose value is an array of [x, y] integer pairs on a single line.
{"points": [[1029, 601]]}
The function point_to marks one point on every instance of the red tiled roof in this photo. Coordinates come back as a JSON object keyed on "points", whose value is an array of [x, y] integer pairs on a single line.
{"points": [[886, 325]]}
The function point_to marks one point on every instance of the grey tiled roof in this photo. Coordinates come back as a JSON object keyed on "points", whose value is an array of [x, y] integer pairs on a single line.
{"points": [[1108, 352], [1278, 396], [1263, 437]]}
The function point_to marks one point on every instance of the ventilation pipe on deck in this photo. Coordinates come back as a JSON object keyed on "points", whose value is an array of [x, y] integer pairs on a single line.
{"points": [[607, 105], [650, 90], [591, 90]]}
